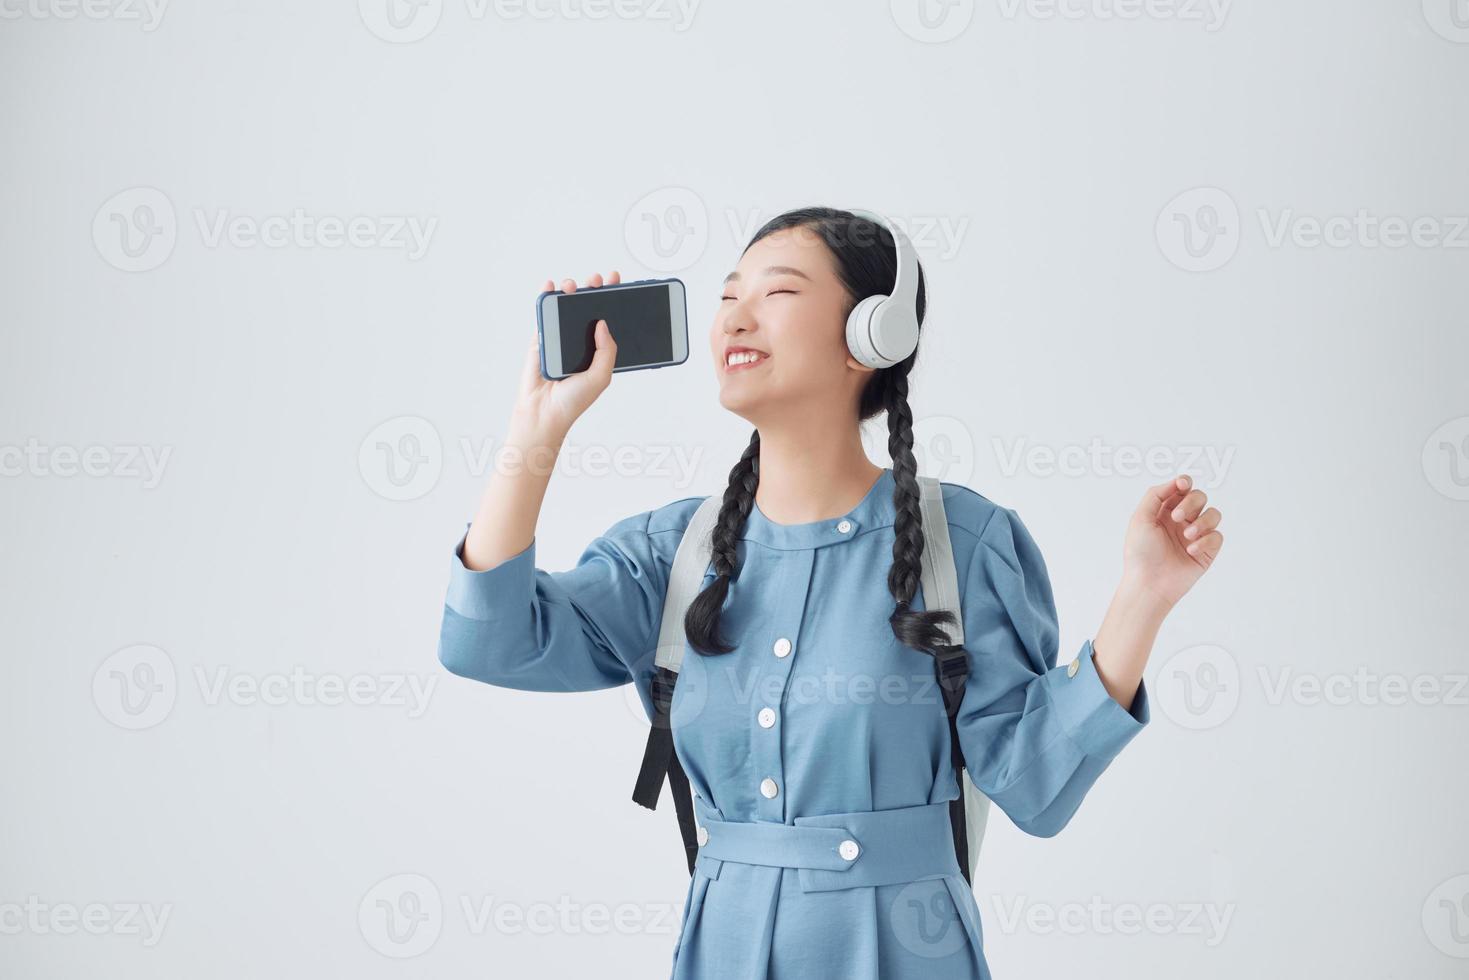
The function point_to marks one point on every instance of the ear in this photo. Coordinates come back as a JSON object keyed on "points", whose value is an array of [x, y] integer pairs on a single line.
{"points": [[857, 365]]}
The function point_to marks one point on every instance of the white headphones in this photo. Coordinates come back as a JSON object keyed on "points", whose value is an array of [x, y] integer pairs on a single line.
{"points": [[883, 330]]}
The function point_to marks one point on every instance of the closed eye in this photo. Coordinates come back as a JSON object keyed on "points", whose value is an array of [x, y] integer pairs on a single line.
{"points": [[771, 293]]}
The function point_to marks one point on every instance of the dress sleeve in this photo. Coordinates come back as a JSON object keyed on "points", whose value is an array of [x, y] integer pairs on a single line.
{"points": [[1035, 735], [515, 625]]}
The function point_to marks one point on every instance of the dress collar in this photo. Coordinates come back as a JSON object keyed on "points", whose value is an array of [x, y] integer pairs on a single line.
{"points": [[872, 511]]}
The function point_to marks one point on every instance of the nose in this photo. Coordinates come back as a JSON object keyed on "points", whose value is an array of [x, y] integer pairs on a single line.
{"points": [[736, 320]]}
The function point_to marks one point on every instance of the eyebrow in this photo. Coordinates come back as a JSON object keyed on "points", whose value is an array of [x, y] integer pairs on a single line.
{"points": [[774, 270]]}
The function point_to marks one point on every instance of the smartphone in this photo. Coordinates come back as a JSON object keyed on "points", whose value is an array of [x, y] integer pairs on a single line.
{"points": [[649, 319]]}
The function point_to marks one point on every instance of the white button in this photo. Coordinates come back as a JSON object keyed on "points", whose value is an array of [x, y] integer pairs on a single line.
{"points": [[766, 717], [702, 836], [848, 850], [782, 647], [767, 788], [1073, 668], [844, 526]]}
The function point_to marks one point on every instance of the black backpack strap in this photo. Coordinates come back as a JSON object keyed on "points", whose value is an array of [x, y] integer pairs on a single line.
{"points": [[660, 760], [951, 665], [683, 805]]}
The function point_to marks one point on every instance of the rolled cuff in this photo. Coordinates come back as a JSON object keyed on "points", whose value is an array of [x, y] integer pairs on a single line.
{"points": [[1090, 716], [486, 595]]}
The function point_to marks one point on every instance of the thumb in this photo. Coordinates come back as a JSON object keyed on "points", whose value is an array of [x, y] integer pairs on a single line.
{"points": [[606, 356]]}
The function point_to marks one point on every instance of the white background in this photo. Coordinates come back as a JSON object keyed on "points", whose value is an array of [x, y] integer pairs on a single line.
{"points": [[1114, 205]]}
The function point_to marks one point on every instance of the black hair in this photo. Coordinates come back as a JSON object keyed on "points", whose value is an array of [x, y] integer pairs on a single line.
{"points": [[867, 264]]}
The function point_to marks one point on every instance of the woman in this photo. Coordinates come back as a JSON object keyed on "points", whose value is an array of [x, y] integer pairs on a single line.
{"points": [[809, 648]]}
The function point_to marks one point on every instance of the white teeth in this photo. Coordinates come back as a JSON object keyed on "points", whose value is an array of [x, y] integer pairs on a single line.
{"points": [[743, 357]]}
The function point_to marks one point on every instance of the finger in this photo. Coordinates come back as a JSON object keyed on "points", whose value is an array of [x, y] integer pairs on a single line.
{"points": [[1206, 549], [1190, 507], [614, 278], [568, 285], [1164, 494], [549, 286], [595, 280], [606, 356], [1207, 522]]}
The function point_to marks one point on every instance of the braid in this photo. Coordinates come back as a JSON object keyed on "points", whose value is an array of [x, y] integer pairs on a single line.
{"points": [[701, 622], [920, 630]]}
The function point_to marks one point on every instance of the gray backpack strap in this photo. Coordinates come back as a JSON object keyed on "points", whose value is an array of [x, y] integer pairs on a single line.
{"points": [[940, 581], [685, 579], [938, 576]]}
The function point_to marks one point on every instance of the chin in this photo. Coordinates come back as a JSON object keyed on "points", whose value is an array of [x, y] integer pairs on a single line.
{"points": [[741, 404]]}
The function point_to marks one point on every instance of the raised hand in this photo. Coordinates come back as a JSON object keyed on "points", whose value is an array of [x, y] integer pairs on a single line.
{"points": [[1172, 539], [550, 407]]}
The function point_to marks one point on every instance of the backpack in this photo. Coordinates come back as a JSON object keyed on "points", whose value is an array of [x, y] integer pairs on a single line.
{"points": [[967, 813]]}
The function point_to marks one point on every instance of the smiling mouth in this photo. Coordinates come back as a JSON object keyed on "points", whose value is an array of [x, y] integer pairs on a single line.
{"points": [[740, 360]]}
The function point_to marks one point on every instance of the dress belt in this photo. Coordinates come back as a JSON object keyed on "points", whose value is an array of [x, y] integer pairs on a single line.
{"points": [[835, 850]]}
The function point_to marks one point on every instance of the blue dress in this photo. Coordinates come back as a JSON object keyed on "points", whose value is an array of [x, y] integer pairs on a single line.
{"points": [[817, 719]]}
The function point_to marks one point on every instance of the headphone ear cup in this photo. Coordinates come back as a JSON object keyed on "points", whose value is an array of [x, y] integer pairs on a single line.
{"points": [[860, 332]]}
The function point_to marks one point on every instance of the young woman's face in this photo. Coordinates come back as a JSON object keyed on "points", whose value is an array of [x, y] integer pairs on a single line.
{"points": [[785, 307]]}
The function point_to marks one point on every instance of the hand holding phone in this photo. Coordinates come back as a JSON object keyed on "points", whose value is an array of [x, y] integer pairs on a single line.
{"points": [[549, 406], [649, 318]]}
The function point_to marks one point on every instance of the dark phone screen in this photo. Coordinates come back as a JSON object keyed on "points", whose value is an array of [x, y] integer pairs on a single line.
{"points": [[638, 318]]}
